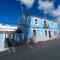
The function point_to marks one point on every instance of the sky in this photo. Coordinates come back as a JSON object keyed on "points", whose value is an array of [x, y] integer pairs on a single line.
{"points": [[10, 10]]}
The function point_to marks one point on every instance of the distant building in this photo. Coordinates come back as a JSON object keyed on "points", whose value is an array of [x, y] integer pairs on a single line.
{"points": [[58, 21], [5, 31], [36, 28]]}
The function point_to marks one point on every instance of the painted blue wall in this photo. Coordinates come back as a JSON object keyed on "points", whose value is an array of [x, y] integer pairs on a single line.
{"points": [[53, 25], [39, 22], [29, 25], [19, 36]]}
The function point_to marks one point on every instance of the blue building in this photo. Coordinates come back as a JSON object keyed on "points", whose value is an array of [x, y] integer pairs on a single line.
{"points": [[36, 28], [58, 21]]}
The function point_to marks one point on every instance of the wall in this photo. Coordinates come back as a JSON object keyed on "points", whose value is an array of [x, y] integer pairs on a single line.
{"points": [[2, 39], [30, 25], [41, 31]]}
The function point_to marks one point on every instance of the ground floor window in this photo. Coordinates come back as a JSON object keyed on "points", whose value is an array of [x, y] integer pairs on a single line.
{"points": [[34, 33], [45, 32], [54, 32], [49, 32]]}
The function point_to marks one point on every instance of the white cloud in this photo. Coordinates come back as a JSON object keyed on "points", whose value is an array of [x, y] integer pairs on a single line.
{"points": [[46, 6], [58, 21], [28, 3], [56, 12]]}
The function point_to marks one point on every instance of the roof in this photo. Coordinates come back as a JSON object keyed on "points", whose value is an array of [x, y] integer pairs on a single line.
{"points": [[28, 14], [7, 27]]}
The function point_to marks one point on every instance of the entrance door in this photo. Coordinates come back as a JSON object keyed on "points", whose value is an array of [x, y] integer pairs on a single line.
{"points": [[34, 35], [49, 34]]}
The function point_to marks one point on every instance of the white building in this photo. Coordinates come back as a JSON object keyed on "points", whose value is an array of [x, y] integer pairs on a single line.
{"points": [[5, 30]]}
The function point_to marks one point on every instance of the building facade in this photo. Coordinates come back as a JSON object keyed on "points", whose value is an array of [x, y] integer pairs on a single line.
{"points": [[37, 29], [58, 21]]}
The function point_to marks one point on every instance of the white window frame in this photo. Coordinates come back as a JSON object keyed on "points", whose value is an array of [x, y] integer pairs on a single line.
{"points": [[36, 21]]}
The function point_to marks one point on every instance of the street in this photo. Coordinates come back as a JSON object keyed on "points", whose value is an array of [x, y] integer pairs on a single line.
{"points": [[49, 50]]}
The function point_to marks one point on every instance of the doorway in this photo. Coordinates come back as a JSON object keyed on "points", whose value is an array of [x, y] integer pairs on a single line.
{"points": [[34, 33], [49, 34]]}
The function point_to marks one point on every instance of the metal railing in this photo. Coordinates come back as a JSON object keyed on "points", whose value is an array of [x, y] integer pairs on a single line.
{"points": [[45, 26]]}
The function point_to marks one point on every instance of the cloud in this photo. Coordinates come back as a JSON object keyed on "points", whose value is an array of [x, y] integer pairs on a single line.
{"points": [[58, 21], [28, 3], [56, 12], [46, 5]]}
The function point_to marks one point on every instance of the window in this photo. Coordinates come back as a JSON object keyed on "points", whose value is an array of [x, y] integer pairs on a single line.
{"points": [[34, 33], [35, 21], [54, 32], [45, 32], [45, 22], [52, 24]]}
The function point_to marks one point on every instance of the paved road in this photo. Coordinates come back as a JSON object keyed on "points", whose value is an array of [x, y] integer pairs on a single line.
{"points": [[49, 50]]}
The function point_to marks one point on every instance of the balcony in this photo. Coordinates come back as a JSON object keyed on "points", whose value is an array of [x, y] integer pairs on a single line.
{"points": [[46, 26]]}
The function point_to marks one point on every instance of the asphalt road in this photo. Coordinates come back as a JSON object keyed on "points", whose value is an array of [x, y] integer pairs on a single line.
{"points": [[49, 50]]}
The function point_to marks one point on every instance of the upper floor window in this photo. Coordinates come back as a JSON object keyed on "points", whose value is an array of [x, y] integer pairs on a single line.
{"points": [[44, 22], [52, 24], [35, 21]]}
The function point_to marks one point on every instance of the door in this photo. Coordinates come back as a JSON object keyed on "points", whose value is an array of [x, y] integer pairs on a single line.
{"points": [[49, 34], [34, 34]]}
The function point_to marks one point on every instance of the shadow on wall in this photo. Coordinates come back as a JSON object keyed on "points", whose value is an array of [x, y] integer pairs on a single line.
{"points": [[5, 43]]}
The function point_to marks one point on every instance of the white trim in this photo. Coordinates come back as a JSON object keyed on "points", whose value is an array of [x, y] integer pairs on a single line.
{"points": [[3, 37], [37, 21]]}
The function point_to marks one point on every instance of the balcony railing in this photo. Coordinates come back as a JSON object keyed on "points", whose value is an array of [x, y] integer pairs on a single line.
{"points": [[46, 26]]}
